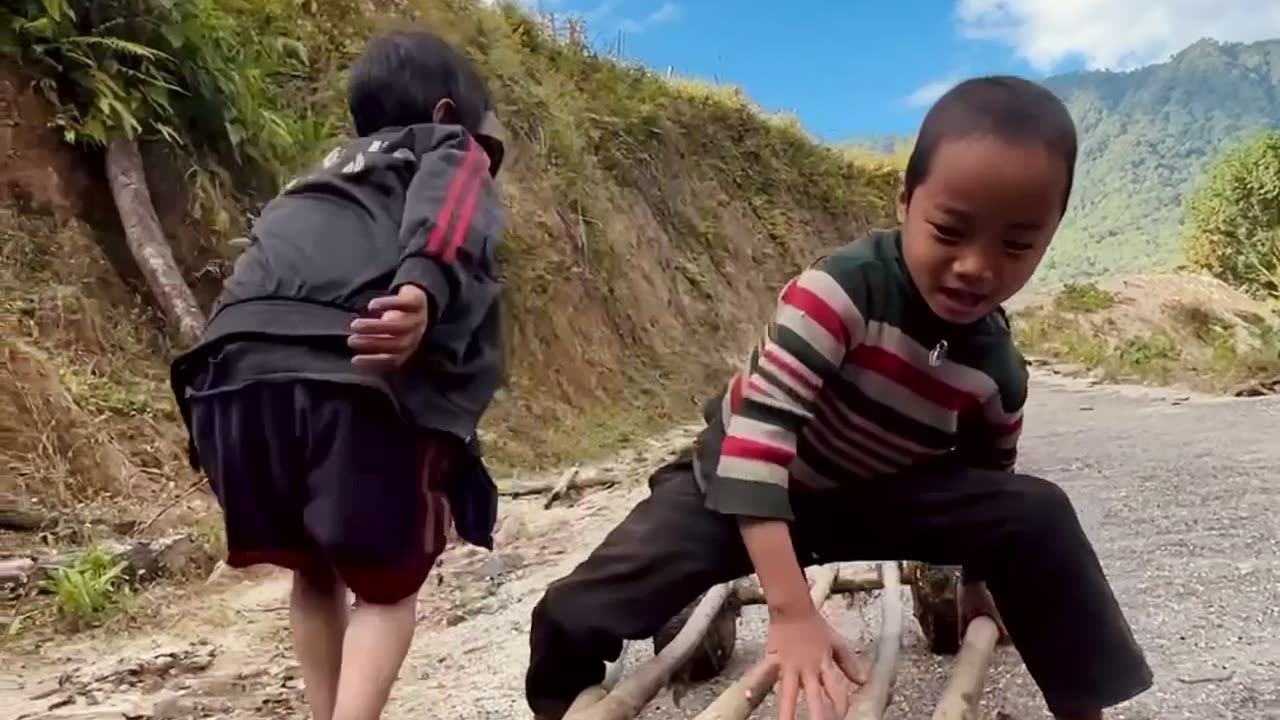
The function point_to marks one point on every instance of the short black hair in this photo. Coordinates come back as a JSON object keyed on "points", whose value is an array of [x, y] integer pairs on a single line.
{"points": [[999, 106], [400, 78]]}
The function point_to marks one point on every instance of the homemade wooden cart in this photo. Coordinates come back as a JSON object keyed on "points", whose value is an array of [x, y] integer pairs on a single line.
{"points": [[698, 643]]}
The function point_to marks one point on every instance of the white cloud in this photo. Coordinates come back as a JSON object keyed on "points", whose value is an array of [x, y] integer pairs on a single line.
{"points": [[665, 14], [929, 93], [669, 12], [1114, 34]]}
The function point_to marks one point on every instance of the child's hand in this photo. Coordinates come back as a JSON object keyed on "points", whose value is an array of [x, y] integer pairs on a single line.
{"points": [[811, 655], [391, 336], [975, 599]]}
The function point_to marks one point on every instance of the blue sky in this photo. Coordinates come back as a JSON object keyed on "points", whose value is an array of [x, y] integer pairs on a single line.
{"points": [[850, 68]]}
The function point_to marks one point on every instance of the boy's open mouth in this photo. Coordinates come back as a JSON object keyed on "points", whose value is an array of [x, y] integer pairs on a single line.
{"points": [[963, 298]]}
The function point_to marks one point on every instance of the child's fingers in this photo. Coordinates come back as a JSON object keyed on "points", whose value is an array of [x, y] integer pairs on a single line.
{"points": [[377, 360], [837, 688], [379, 343], [390, 323], [407, 303], [790, 693], [815, 697]]}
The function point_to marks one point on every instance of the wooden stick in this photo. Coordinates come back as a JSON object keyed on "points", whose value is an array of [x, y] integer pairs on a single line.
{"points": [[527, 489], [964, 688], [843, 585], [631, 694], [16, 572], [170, 505], [21, 520], [145, 560], [614, 671], [562, 486], [873, 698], [740, 699], [596, 693]]}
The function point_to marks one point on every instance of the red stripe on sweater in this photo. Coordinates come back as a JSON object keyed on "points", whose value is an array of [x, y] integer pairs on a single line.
{"points": [[902, 371], [739, 447], [812, 304]]}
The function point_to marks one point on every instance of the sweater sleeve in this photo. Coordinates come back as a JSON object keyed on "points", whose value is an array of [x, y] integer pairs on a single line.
{"points": [[452, 221], [991, 433], [820, 316]]}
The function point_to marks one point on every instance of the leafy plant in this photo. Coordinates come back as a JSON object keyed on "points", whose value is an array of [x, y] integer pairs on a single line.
{"points": [[1233, 218], [1083, 298], [181, 70], [89, 589]]}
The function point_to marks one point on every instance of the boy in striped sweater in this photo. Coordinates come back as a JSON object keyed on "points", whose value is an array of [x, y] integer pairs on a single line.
{"points": [[878, 419]]}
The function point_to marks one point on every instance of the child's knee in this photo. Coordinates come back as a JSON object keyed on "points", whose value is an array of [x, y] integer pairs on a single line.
{"points": [[1044, 508], [317, 578]]}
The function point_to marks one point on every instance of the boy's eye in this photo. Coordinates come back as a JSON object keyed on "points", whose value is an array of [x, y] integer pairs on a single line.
{"points": [[1018, 246], [947, 232]]}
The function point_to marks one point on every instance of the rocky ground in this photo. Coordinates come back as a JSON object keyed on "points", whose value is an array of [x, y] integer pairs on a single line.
{"points": [[1180, 493]]}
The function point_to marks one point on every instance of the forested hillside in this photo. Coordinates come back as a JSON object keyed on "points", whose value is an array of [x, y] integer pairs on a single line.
{"points": [[1146, 138]]}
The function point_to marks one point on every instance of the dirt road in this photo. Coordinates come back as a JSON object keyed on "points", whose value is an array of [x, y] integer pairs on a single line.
{"points": [[1180, 493]]}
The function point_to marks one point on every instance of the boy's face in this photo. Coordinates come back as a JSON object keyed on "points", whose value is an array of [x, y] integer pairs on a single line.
{"points": [[974, 231]]}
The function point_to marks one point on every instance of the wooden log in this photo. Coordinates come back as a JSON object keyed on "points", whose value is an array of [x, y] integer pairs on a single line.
{"points": [[712, 652], [145, 560], [596, 693], [873, 698], [15, 573], [24, 520], [740, 699], [19, 517], [963, 690], [562, 487], [527, 489], [145, 238], [843, 585], [631, 694]]}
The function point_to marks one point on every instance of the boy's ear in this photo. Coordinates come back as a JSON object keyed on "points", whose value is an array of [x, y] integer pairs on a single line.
{"points": [[904, 198], [445, 113], [492, 137]]}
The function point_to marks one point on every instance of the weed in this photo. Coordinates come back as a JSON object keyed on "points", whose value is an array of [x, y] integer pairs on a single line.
{"points": [[1083, 298], [89, 590]]}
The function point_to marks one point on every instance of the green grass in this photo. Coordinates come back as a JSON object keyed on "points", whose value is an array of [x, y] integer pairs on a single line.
{"points": [[90, 590], [1084, 297], [1195, 347]]}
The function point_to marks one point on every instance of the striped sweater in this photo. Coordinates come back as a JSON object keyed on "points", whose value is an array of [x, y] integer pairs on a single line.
{"points": [[856, 380]]}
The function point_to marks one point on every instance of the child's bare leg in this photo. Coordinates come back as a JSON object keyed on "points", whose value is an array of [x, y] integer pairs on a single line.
{"points": [[318, 618], [378, 638]]}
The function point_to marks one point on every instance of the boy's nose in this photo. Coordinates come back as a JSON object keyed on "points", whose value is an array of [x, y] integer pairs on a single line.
{"points": [[973, 270]]}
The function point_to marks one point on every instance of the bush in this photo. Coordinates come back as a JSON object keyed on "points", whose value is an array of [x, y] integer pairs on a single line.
{"points": [[1233, 218]]}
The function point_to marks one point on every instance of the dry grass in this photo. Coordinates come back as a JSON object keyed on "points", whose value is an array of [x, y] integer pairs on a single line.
{"points": [[1184, 330], [85, 416]]}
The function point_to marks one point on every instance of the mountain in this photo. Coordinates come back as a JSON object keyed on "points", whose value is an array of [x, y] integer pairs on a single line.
{"points": [[1145, 137]]}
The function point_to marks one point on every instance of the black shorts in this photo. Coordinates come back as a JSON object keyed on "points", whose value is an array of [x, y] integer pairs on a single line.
{"points": [[314, 474]]}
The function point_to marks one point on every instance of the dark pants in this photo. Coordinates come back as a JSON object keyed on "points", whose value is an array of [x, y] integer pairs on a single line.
{"points": [[317, 475], [1018, 533]]}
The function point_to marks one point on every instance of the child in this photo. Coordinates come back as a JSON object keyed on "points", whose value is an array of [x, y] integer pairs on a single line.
{"points": [[334, 396], [878, 419]]}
